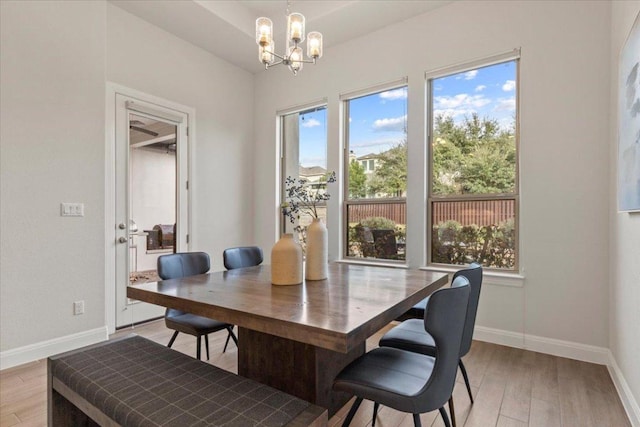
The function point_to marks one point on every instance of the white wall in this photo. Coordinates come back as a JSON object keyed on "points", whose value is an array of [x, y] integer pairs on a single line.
{"points": [[52, 131], [564, 123], [153, 187], [624, 311], [146, 58], [56, 60]]}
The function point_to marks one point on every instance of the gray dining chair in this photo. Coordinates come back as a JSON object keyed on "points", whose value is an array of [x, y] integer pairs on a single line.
{"points": [[411, 336], [243, 256], [185, 264], [407, 381]]}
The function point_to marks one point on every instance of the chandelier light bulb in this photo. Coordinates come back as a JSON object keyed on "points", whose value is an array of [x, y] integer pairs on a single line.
{"points": [[295, 27], [264, 31], [295, 58], [314, 45], [265, 53]]}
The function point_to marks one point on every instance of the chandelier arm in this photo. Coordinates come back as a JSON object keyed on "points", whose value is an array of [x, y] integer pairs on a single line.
{"points": [[276, 55], [267, 66]]}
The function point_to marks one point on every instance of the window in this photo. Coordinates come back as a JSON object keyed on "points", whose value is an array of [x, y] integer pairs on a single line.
{"points": [[304, 156], [473, 185], [376, 176]]}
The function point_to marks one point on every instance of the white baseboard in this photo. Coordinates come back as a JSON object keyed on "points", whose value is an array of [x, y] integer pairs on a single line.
{"points": [[498, 336], [628, 401], [41, 350], [568, 349]]}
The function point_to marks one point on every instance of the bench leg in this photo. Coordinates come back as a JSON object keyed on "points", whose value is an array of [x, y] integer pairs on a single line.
{"points": [[198, 347]]}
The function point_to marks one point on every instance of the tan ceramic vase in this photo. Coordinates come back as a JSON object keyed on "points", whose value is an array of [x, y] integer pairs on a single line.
{"points": [[286, 262], [317, 258]]}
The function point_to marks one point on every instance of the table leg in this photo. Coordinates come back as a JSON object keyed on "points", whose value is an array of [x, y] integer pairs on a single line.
{"points": [[303, 370]]}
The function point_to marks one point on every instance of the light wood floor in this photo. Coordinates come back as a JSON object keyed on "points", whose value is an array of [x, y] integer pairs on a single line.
{"points": [[512, 388]]}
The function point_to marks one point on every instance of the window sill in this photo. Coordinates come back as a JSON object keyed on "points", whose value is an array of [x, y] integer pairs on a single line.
{"points": [[372, 263], [488, 276]]}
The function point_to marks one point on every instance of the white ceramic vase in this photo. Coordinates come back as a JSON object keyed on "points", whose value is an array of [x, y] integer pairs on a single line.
{"points": [[286, 261], [316, 264]]}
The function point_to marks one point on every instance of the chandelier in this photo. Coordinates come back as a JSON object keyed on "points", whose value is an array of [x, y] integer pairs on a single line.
{"points": [[292, 56]]}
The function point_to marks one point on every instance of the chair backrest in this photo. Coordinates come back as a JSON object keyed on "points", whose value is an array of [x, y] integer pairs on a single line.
{"points": [[245, 256], [474, 275], [444, 320], [182, 264]]}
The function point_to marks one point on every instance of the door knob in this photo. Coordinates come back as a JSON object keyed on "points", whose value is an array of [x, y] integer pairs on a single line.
{"points": [[122, 239], [122, 226]]}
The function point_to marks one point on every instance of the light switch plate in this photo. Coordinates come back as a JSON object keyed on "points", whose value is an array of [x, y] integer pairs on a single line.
{"points": [[71, 209]]}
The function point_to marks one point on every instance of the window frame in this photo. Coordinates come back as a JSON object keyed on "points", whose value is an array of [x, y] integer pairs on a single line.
{"points": [[346, 200], [431, 198], [280, 117]]}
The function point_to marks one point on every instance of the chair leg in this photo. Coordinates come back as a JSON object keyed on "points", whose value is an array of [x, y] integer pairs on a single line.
{"points": [[206, 343], [173, 338], [198, 348], [452, 412], [226, 343], [232, 336], [376, 405], [466, 379], [416, 420], [445, 418], [352, 412]]}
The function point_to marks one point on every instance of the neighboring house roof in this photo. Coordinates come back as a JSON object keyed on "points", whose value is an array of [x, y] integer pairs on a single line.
{"points": [[368, 156], [312, 171]]}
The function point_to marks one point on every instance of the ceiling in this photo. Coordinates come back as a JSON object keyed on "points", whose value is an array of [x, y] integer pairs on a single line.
{"points": [[226, 28]]}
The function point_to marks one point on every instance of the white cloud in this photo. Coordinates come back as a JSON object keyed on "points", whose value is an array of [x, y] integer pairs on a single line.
{"points": [[461, 100], [310, 123], [509, 85], [480, 88], [470, 75], [505, 104], [390, 124], [391, 95]]}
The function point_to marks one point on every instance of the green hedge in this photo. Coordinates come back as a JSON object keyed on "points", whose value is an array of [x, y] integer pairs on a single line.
{"points": [[491, 245]]}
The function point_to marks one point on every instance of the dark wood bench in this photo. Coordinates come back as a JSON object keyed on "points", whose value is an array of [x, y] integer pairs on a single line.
{"points": [[136, 382]]}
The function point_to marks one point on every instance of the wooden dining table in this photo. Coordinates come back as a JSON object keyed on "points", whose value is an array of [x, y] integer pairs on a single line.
{"points": [[298, 338]]}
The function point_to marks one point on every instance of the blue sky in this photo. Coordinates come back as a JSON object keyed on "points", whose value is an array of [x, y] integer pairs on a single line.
{"points": [[489, 92], [378, 122]]}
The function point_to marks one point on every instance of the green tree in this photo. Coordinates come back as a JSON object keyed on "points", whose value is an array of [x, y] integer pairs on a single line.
{"points": [[390, 175], [476, 156], [357, 180]]}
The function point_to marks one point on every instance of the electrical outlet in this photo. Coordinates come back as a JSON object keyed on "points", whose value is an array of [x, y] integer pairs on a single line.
{"points": [[78, 308]]}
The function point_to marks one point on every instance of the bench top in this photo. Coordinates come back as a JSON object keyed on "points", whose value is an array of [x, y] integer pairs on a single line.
{"points": [[137, 382]]}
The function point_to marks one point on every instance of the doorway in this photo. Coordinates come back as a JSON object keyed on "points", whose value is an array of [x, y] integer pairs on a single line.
{"points": [[149, 198]]}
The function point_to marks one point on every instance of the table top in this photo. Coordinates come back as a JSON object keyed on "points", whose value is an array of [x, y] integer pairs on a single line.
{"points": [[338, 313]]}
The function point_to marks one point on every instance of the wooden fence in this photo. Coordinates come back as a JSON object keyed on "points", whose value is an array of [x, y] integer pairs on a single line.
{"points": [[397, 212], [479, 212]]}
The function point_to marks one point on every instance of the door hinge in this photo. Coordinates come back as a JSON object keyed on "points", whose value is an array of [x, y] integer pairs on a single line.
{"points": [[187, 129], [187, 239], [187, 185]]}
